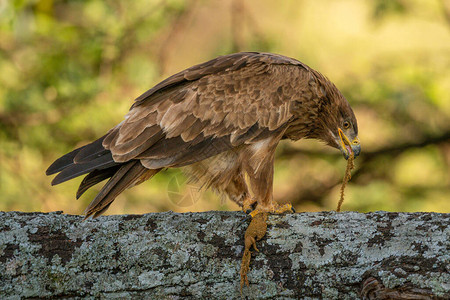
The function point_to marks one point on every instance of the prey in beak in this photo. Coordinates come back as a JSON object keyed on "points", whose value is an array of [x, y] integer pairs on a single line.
{"points": [[347, 147]]}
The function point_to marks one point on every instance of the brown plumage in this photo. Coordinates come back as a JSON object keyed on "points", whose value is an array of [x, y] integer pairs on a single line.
{"points": [[222, 120]]}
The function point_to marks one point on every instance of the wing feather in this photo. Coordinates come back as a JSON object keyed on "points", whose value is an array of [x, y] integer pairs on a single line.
{"points": [[192, 132], [208, 108], [128, 133]]}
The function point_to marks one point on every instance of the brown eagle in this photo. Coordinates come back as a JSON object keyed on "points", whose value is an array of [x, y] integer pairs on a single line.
{"points": [[222, 120]]}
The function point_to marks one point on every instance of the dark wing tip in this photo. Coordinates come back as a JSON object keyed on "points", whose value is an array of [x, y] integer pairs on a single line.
{"points": [[58, 179], [75, 170], [82, 154], [57, 166], [62, 162], [49, 171]]}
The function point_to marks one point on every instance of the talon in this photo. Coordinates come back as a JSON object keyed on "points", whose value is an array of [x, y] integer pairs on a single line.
{"points": [[284, 208]]}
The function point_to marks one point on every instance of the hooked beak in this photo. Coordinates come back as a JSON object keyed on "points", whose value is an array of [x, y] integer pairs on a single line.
{"points": [[348, 147]]}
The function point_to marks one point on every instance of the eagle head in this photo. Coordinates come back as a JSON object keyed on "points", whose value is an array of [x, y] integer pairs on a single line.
{"points": [[337, 123], [341, 127]]}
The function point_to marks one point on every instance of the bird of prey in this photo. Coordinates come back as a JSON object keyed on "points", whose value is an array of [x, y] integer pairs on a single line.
{"points": [[222, 120]]}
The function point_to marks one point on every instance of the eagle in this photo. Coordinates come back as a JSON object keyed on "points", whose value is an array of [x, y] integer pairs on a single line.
{"points": [[221, 121]]}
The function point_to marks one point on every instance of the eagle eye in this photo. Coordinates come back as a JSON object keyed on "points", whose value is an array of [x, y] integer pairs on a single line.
{"points": [[346, 124]]}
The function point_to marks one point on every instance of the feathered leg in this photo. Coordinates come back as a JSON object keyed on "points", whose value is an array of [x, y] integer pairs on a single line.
{"points": [[258, 161], [260, 167]]}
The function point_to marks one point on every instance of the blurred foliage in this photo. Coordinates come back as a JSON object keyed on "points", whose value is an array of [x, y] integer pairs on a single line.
{"points": [[69, 71]]}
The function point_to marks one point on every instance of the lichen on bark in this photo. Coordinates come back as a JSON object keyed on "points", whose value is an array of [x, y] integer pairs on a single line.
{"points": [[197, 255]]}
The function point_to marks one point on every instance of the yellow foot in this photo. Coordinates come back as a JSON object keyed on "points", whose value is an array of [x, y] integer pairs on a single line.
{"points": [[255, 231], [274, 208]]}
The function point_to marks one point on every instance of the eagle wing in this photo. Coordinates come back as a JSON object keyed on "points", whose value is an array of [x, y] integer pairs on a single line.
{"points": [[208, 109], [193, 115]]}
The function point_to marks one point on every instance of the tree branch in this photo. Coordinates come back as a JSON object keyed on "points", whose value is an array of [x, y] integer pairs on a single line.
{"points": [[197, 255]]}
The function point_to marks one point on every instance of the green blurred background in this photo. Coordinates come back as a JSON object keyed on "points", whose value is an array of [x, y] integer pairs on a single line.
{"points": [[69, 71]]}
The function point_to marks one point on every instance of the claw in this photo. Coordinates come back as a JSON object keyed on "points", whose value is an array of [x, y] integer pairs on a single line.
{"points": [[284, 208]]}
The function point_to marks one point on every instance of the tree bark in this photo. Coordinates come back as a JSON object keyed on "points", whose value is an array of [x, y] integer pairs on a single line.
{"points": [[325, 255]]}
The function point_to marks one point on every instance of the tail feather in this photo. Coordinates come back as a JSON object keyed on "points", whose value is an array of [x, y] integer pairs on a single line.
{"points": [[100, 212], [91, 151], [63, 162], [126, 176], [74, 170], [83, 154], [98, 162], [95, 177]]}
